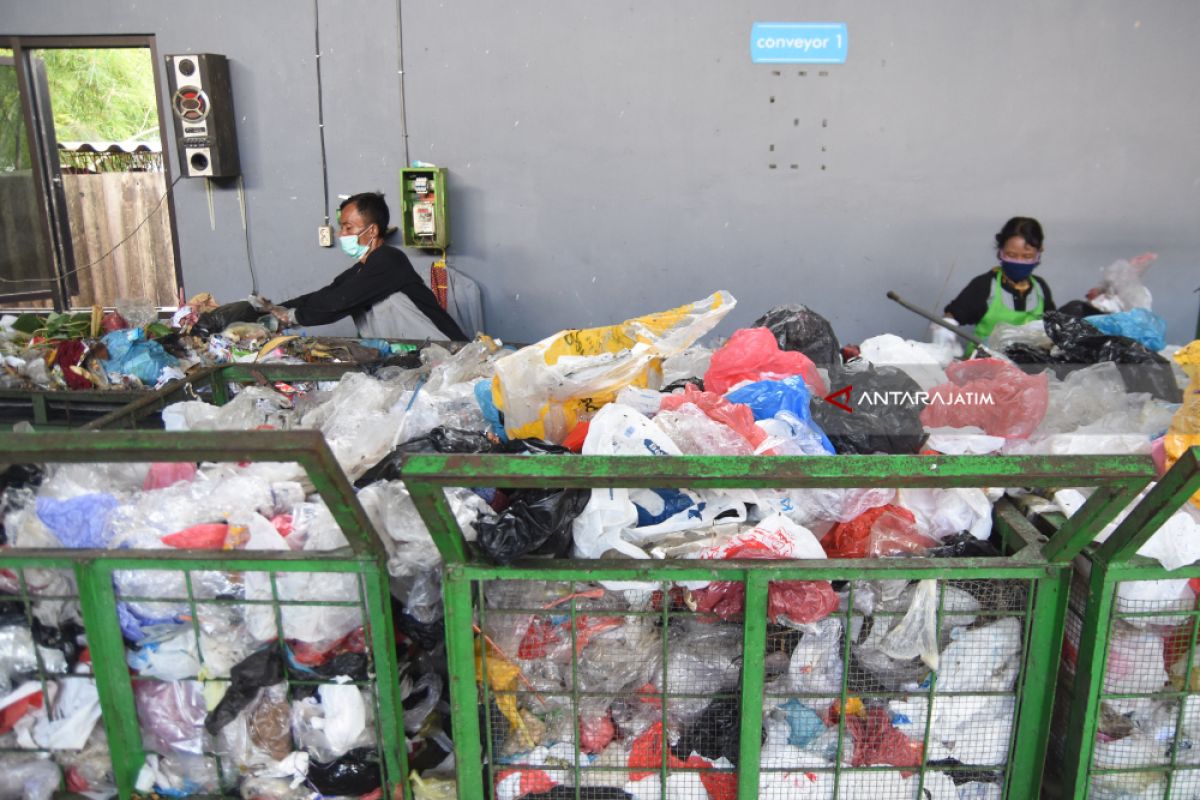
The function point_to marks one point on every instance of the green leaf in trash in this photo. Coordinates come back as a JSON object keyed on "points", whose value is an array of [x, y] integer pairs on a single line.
{"points": [[157, 330], [28, 323]]}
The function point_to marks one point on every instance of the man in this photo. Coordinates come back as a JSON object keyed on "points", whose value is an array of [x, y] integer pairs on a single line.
{"points": [[382, 291]]}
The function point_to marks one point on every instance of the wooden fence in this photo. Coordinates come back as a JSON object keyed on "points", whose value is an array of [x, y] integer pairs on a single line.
{"points": [[103, 209], [106, 208]]}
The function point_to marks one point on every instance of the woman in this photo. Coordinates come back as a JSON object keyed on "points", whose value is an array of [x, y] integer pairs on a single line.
{"points": [[1008, 293]]}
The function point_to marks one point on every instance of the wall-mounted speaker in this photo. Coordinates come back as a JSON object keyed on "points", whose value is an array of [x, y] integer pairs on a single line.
{"points": [[202, 106]]}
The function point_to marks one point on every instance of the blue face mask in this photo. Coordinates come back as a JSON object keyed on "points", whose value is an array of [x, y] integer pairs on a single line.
{"points": [[1018, 271], [351, 247]]}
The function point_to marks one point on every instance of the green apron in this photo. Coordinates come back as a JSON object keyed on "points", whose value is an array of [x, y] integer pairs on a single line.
{"points": [[998, 311]]}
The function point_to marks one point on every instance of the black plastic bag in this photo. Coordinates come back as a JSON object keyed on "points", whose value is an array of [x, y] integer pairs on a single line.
{"points": [[964, 545], [65, 639], [561, 792], [222, 317], [256, 671], [355, 774], [532, 447], [303, 681], [798, 327], [715, 733], [682, 384], [1079, 308], [439, 440], [1142, 370], [536, 521], [886, 412]]}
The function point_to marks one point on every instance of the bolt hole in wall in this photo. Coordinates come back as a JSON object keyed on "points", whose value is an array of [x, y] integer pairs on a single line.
{"points": [[100, 146]]}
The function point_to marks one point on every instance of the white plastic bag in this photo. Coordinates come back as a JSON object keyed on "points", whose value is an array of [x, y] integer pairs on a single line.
{"points": [[923, 362], [615, 430], [816, 663], [917, 632], [945, 512]]}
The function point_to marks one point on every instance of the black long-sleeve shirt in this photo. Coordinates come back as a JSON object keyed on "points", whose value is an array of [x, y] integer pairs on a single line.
{"points": [[385, 272], [972, 302]]}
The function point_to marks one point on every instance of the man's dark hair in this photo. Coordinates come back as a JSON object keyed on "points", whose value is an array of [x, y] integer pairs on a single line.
{"points": [[372, 208]]}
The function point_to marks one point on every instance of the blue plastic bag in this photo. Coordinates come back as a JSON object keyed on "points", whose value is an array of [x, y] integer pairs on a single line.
{"points": [[129, 353], [118, 342], [788, 401], [804, 724], [768, 398], [483, 396], [1140, 324], [80, 521]]}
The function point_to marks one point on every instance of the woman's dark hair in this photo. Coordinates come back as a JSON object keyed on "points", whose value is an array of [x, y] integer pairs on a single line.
{"points": [[372, 208], [1027, 228]]}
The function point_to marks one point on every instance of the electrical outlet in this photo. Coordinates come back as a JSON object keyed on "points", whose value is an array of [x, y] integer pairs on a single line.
{"points": [[325, 235]]}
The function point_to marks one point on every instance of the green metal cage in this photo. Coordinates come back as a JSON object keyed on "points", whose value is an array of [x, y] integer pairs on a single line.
{"points": [[1127, 723], [522, 678], [30, 579]]}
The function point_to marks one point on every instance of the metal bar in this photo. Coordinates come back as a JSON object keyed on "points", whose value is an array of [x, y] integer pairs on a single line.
{"points": [[460, 663], [306, 448], [1180, 737], [387, 679], [1100, 509], [98, 604], [844, 693], [1035, 700], [777, 472], [1090, 664], [1015, 530], [1168, 495], [431, 504], [344, 560], [485, 688], [931, 697], [133, 410], [754, 647], [653, 571]]}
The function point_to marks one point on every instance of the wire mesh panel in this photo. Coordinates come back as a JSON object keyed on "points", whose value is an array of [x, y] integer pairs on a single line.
{"points": [[1147, 740], [50, 736], [237, 675], [627, 689], [907, 690]]}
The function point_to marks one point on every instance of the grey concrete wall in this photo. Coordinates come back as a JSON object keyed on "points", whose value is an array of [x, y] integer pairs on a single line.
{"points": [[610, 159]]}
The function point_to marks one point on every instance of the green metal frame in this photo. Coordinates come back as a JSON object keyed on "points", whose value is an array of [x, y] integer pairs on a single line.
{"points": [[93, 570], [1122, 478], [57, 408], [1113, 562]]}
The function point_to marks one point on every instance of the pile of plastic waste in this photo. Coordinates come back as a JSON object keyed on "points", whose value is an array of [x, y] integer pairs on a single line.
{"points": [[646, 387], [129, 348]]}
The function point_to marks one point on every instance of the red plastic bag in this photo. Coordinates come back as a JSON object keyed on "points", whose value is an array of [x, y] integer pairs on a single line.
{"points": [[168, 473], [717, 408], [877, 741], [876, 533], [112, 321], [990, 394], [595, 734], [799, 602], [69, 354], [647, 753], [753, 354], [207, 536]]}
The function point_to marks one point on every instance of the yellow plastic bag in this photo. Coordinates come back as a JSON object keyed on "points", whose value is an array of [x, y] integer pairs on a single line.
{"points": [[433, 788], [546, 388], [1185, 425]]}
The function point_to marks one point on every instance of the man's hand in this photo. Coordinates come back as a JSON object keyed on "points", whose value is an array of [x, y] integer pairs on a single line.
{"points": [[284, 315]]}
